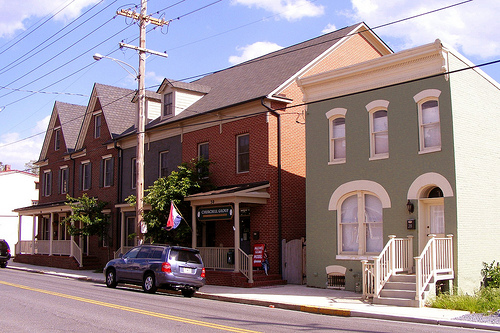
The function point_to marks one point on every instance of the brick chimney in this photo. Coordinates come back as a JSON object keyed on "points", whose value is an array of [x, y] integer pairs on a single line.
{"points": [[7, 167]]}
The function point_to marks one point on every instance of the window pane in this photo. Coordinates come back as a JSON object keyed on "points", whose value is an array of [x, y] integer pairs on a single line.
{"points": [[339, 150], [243, 153], [373, 209], [350, 241], [374, 235], [350, 210], [432, 135], [430, 112], [380, 121], [338, 128], [381, 143], [437, 219]]}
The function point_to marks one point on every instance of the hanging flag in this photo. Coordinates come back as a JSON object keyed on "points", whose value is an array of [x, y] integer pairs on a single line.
{"points": [[174, 218]]}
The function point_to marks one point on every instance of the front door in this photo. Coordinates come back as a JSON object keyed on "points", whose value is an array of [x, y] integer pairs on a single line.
{"points": [[245, 234], [431, 220]]}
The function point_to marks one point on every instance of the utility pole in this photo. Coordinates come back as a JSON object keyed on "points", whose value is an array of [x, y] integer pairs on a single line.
{"points": [[143, 19]]}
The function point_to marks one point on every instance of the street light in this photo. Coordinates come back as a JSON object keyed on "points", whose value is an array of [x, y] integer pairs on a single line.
{"points": [[141, 119], [98, 57]]}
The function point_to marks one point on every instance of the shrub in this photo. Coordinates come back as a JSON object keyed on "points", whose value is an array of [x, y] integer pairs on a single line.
{"points": [[491, 274]]}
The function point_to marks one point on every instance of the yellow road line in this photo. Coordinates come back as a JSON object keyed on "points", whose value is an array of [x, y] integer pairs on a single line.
{"points": [[134, 310]]}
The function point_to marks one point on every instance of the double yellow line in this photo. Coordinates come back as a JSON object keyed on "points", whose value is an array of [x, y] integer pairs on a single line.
{"points": [[133, 310]]}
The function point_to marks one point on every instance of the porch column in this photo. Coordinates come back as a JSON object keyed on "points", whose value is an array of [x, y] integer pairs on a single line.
{"points": [[72, 239], [236, 236], [18, 248], [122, 231], [51, 233], [193, 233], [34, 235]]}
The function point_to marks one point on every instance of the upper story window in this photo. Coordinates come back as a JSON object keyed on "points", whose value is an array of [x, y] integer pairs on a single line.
{"points": [[379, 129], [106, 174], [97, 125], [57, 139], [63, 180], [168, 106], [203, 152], [163, 164], [47, 183], [243, 153], [429, 120], [85, 175], [134, 172], [360, 224], [337, 142]]}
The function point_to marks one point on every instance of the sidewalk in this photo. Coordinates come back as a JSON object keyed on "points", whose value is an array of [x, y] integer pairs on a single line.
{"points": [[298, 298]]}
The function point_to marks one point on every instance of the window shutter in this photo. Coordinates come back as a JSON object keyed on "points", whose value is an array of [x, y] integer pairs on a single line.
{"points": [[49, 188], [111, 170], [90, 175], [80, 183], [59, 181]]}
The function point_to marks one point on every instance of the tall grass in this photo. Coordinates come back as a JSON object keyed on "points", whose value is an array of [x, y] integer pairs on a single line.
{"points": [[485, 300]]}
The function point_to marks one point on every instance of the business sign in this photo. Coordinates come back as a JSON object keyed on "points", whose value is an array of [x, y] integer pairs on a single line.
{"points": [[215, 213], [258, 254]]}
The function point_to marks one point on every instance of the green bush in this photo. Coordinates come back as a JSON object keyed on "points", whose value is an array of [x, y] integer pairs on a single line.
{"points": [[491, 274]]}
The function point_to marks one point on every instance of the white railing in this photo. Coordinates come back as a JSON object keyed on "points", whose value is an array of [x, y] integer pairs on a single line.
{"points": [[59, 247], [395, 257], [216, 257], [246, 265], [434, 263]]}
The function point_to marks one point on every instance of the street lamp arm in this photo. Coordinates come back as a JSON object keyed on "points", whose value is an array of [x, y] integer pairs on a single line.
{"points": [[98, 57]]}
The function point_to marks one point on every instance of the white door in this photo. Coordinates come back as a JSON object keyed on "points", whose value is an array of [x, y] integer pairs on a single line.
{"points": [[431, 219]]}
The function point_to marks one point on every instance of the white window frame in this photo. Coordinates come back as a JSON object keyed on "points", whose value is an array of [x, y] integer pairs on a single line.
{"points": [[373, 108], [421, 98], [57, 138], [107, 176], [203, 144], [86, 179], [161, 166], [239, 154], [47, 183], [362, 226], [332, 116], [168, 106], [64, 181], [97, 125]]}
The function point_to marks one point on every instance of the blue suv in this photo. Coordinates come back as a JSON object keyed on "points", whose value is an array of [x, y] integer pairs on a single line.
{"points": [[154, 266], [4, 253]]}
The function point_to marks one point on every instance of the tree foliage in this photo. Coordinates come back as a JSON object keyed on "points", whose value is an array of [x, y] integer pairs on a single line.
{"points": [[189, 178], [87, 218]]}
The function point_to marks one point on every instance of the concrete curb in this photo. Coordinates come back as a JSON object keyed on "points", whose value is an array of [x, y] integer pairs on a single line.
{"points": [[294, 307]]}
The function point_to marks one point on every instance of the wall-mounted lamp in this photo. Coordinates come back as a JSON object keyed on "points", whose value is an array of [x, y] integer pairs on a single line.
{"points": [[410, 207]]}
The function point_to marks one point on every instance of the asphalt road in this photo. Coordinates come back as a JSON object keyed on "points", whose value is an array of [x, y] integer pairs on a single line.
{"points": [[41, 303]]}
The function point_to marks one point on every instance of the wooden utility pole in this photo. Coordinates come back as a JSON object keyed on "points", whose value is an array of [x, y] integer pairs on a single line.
{"points": [[143, 19]]}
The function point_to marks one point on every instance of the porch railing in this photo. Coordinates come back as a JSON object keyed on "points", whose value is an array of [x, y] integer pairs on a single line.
{"points": [[395, 257], [59, 247], [216, 257], [434, 263], [246, 265]]}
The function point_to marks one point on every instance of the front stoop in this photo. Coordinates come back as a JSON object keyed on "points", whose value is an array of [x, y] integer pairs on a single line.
{"points": [[234, 279], [400, 290]]}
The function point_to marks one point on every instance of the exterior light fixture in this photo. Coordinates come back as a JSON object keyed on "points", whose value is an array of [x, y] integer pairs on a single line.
{"points": [[99, 56], [410, 207]]}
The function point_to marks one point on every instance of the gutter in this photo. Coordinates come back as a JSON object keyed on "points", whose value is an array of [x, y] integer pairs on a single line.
{"points": [[280, 218]]}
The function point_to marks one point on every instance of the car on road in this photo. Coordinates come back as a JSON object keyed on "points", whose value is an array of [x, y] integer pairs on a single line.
{"points": [[154, 266], [4, 253]]}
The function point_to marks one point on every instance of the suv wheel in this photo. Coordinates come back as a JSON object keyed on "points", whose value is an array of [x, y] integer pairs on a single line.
{"points": [[187, 292], [149, 284], [110, 278]]}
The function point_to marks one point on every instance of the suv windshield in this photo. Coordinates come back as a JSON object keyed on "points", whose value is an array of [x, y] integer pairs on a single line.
{"points": [[184, 256]]}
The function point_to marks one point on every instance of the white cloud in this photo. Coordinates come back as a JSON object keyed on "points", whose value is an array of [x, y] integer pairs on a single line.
{"points": [[329, 28], [288, 9], [472, 28], [14, 13], [25, 150], [253, 51]]}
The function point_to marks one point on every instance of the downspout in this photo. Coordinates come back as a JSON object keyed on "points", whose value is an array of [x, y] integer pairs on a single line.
{"points": [[119, 190], [278, 117]]}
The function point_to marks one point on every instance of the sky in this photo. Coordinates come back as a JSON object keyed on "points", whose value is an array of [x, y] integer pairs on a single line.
{"points": [[46, 46]]}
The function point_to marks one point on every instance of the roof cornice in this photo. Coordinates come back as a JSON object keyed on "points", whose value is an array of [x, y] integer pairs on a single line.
{"points": [[422, 61]]}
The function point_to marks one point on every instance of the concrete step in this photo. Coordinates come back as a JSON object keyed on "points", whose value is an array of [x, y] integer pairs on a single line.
{"points": [[400, 285], [395, 301], [395, 293]]}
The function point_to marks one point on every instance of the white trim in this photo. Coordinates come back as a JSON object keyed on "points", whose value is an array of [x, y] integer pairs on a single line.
{"points": [[105, 157], [379, 104], [426, 180], [336, 112], [359, 185], [427, 94], [372, 108]]}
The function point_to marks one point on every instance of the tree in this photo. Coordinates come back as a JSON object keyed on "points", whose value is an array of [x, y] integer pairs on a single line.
{"points": [[87, 218], [31, 167], [189, 178]]}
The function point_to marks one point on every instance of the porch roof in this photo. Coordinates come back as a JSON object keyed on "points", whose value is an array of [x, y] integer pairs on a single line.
{"points": [[244, 193], [52, 207]]}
